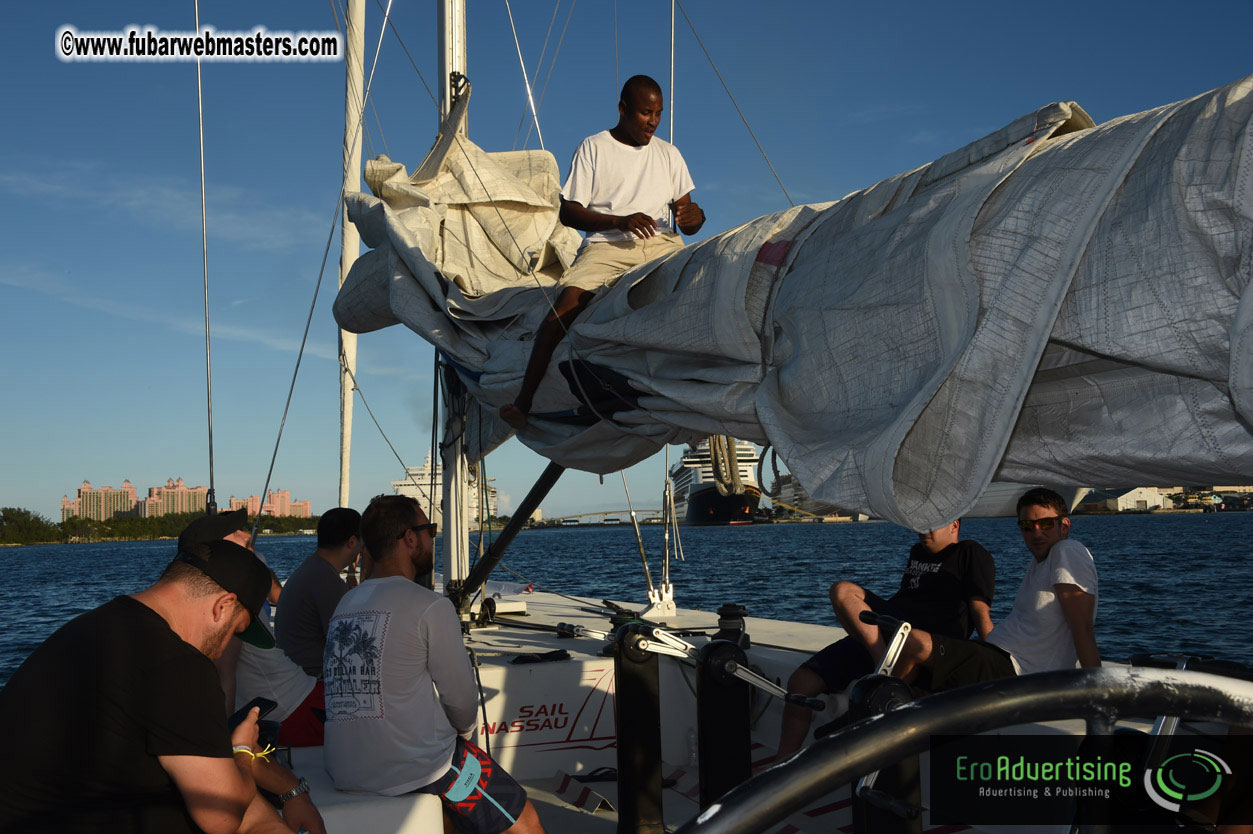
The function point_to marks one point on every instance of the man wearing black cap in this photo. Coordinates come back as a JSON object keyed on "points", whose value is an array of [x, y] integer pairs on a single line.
{"points": [[116, 723], [254, 668]]}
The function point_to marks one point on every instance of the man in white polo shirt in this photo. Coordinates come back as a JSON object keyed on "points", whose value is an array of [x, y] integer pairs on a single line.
{"points": [[628, 190]]}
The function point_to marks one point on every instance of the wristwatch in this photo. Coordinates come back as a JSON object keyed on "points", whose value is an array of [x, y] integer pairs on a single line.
{"points": [[301, 787]]}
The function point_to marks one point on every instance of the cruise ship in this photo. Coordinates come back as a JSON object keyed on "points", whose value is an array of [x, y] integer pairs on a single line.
{"points": [[696, 497], [420, 483]]}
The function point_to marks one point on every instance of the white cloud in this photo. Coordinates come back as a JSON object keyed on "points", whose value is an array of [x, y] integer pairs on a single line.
{"points": [[235, 215], [26, 276]]}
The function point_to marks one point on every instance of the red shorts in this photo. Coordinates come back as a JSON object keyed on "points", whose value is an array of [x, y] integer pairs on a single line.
{"points": [[304, 727]]}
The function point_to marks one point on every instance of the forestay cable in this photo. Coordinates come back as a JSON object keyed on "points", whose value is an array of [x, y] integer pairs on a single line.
{"points": [[211, 504], [743, 118], [551, 65], [356, 387], [543, 51], [525, 80]]}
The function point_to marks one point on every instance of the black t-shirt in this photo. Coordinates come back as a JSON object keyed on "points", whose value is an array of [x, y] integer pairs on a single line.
{"points": [[85, 717], [936, 587]]}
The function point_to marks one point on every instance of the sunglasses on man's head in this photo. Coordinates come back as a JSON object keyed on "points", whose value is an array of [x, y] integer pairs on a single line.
{"points": [[1039, 523], [418, 528]]}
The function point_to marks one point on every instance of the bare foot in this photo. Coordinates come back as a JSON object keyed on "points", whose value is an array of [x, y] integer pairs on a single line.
{"points": [[513, 415]]}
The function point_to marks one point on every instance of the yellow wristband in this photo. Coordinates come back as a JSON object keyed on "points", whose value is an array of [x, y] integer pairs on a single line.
{"points": [[263, 755]]}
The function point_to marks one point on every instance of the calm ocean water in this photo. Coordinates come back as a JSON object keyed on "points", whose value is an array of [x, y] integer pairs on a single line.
{"points": [[1168, 582]]}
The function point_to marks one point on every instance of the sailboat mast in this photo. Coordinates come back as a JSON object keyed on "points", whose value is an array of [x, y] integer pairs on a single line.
{"points": [[453, 60], [350, 239], [456, 521]]}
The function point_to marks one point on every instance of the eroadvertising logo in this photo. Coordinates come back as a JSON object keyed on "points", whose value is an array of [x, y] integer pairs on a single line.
{"points": [[1055, 778], [1185, 777]]}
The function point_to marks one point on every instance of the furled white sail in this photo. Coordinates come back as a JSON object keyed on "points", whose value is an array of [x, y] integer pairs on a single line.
{"points": [[1056, 303]]}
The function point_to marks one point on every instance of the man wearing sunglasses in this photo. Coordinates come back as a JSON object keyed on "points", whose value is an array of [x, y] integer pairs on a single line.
{"points": [[400, 693], [1051, 625]]}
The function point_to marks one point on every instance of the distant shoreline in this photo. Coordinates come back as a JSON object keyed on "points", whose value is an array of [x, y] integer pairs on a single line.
{"points": [[598, 525], [114, 539]]}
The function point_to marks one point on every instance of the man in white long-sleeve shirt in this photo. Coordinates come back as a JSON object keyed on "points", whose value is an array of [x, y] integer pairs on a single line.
{"points": [[400, 693]]}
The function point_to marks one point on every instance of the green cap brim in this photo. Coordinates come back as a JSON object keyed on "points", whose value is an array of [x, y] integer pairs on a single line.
{"points": [[256, 634]]}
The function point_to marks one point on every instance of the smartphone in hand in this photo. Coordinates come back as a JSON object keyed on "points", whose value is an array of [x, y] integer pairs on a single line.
{"points": [[266, 705]]}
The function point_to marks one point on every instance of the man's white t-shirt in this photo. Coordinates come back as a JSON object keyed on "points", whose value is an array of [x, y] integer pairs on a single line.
{"points": [[399, 687], [1035, 633], [610, 177], [270, 673]]}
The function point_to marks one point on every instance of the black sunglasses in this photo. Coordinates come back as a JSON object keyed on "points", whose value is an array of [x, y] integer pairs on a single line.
{"points": [[418, 528], [1045, 523]]}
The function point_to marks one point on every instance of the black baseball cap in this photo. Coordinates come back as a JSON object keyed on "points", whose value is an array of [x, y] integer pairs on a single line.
{"points": [[237, 570], [209, 528]]}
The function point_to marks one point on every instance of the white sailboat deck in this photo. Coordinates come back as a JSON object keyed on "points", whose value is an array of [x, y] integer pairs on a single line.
{"points": [[549, 723], [547, 720]]}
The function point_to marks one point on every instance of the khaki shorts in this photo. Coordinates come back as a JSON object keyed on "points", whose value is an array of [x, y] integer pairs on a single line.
{"points": [[599, 264]]}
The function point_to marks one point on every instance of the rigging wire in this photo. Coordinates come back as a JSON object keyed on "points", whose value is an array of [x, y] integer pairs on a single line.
{"points": [[616, 84], [388, 22], [369, 142], [433, 454], [336, 12], [639, 540], [382, 136], [671, 99], [313, 303], [211, 503], [526, 81], [551, 65], [543, 51], [743, 118], [356, 387]]}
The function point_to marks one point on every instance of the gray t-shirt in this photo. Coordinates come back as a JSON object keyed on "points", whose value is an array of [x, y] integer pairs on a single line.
{"points": [[304, 612]]}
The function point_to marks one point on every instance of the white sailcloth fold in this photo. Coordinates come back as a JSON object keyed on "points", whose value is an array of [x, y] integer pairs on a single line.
{"points": [[1056, 303]]}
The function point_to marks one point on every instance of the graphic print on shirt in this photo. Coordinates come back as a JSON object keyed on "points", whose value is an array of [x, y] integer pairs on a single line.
{"points": [[353, 680], [914, 571]]}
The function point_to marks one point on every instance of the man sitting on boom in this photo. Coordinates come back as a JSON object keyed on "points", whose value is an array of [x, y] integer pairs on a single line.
{"points": [[623, 184]]}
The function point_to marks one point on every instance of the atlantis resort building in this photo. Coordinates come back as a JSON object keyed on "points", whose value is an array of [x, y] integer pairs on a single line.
{"points": [[175, 497]]}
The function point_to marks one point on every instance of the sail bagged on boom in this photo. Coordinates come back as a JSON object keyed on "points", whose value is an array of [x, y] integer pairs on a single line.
{"points": [[1058, 302]]}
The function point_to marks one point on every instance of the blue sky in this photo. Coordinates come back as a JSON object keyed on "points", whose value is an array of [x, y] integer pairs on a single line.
{"points": [[100, 276]]}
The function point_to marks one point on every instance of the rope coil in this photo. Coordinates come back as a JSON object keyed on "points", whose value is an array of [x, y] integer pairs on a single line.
{"points": [[726, 465]]}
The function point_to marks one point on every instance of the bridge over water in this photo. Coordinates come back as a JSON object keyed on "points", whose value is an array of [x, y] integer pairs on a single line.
{"points": [[607, 517]]}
